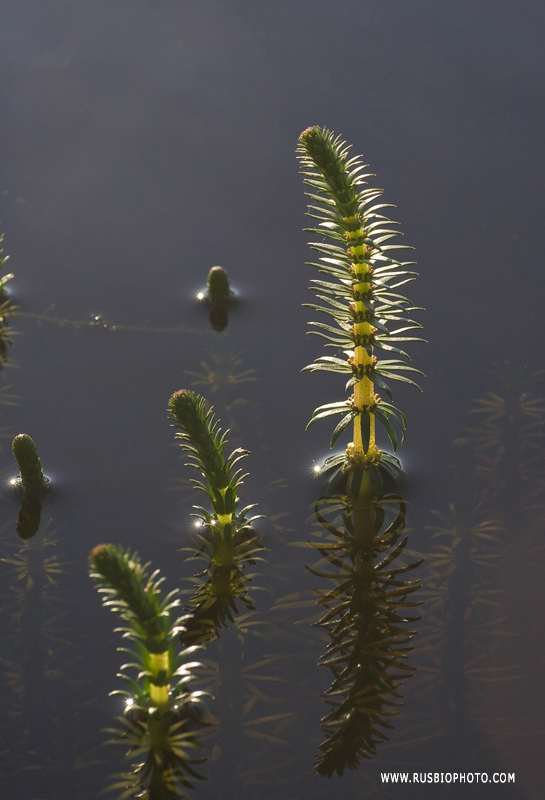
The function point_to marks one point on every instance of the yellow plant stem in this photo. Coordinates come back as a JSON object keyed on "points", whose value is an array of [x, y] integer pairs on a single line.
{"points": [[224, 519], [364, 393], [159, 662]]}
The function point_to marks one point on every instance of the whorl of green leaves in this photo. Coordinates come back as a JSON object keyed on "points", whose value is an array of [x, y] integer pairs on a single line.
{"points": [[3, 278], [201, 437], [126, 588], [31, 475], [357, 255]]}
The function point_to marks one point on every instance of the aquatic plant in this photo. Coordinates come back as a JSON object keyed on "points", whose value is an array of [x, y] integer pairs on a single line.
{"points": [[361, 299], [4, 279], [219, 295], [217, 286], [366, 615], [31, 475], [227, 540], [33, 483], [161, 712]]}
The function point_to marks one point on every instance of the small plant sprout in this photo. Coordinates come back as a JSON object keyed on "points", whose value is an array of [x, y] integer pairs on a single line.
{"points": [[218, 294], [31, 475], [218, 287]]}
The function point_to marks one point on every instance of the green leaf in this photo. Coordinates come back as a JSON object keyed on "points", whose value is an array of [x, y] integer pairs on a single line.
{"points": [[387, 427], [396, 377], [377, 381], [342, 426], [322, 412], [390, 409]]}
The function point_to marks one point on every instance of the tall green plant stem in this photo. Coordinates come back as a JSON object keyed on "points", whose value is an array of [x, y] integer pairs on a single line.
{"points": [[361, 298]]}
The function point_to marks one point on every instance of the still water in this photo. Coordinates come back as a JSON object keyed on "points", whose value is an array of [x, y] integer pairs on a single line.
{"points": [[146, 142]]}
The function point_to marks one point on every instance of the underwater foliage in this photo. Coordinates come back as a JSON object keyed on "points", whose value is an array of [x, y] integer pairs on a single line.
{"points": [[221, 372], [161, 713], [466, 621], [360, 297], [226, 537], [44, 735], [509, 443], [366, 618], [251, 687]]}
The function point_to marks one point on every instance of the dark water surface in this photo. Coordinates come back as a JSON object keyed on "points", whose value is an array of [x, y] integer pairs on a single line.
{"points": [[141, 144]]}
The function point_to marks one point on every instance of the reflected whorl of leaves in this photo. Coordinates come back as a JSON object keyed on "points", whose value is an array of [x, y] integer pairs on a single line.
{"points": [[509, 442], [161, 712], [360, 297], [466, 623], [366, 618], [43, 742], [226, 539], [33, 607], [7, 308], [220, 372], [249, 685]]}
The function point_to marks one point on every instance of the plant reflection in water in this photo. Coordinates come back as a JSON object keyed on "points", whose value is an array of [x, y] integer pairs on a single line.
{"points": [[7, 308], [367, 614]]}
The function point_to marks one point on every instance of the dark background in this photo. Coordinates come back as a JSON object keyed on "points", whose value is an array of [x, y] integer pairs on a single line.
{"points": [[143, 142]]}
